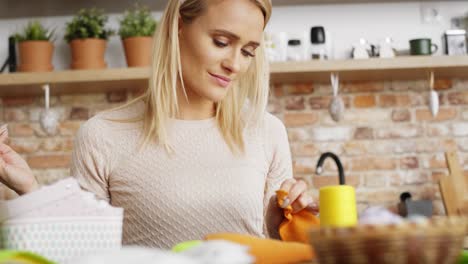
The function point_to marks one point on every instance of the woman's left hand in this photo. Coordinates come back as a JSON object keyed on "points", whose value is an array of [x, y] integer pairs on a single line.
{"points": [[297, 196]]}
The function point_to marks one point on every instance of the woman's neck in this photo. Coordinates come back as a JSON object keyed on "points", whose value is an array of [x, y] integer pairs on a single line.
{"points": [[196, 108]]}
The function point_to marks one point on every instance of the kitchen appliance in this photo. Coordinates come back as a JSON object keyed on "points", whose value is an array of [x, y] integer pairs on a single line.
{"points": [[337, 202], [318, 44], [455, 42]]}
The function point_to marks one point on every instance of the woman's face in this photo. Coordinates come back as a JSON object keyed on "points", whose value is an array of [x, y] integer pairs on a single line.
{"points": [[218, 47]]}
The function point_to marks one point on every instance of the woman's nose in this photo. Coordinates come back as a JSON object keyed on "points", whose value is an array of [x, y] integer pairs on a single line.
{"points": [[232, 62]]}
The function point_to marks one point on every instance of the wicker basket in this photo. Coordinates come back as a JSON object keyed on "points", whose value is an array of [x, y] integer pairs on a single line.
{"points": [[436, 241]]}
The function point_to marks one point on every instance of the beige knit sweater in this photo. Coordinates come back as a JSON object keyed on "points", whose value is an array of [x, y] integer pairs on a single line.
{"points": [[201, 189]]}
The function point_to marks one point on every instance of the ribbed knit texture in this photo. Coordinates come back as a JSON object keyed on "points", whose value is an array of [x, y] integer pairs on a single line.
{"points": [[200, 189]]}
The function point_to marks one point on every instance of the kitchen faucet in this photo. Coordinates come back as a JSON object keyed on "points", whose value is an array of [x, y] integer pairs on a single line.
{"points": [[321, 160]]}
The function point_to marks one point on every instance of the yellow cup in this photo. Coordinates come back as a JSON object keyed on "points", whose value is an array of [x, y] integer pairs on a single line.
{"points": [[338, 206]]}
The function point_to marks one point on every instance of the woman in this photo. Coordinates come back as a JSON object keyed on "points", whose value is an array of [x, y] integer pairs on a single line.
{"points": [[197, 153]]}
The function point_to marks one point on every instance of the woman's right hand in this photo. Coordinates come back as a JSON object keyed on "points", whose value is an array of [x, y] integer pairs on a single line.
{"points": [[14, 171]]}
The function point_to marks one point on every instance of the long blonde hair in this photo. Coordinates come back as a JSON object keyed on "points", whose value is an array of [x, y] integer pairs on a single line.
{"points": [[161, 96]]}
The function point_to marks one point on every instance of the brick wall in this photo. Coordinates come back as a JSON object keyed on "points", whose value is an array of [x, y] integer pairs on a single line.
{"points": [[388, 141]]}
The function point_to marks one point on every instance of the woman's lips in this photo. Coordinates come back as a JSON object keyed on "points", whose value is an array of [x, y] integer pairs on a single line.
{"points": [[221, 80]]}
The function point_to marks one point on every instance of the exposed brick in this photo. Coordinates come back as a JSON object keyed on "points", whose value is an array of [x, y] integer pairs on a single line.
{"points": [[278, 90], [321, 181], [401, 115], [116, 97], [307, 88], [300, 119], [304, 149], [354, 148], [464, 114], [401, 131], [438, 130], [460, 129], [443, 84], [363, 133], [18, 101], [379, 196], [320, 102], [394, 100], [298, 134], [295, 103], [404, 146], [79, 113], [434, 161], [373, 163], [20, 130], [409, 163], [323, 102], [436, 176], [56, 144], [15, 115], [444, 114], [364, 101], [331, 133], [304, 165], [49, 176], [375, 180], [458, 98], [359, 87], [49, 161], [24, 145], [414, 177], [69, 128], [274, 106], [367, 116]]}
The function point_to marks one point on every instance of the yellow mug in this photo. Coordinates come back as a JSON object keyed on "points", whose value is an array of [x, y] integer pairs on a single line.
{"points": [[338, 206]]}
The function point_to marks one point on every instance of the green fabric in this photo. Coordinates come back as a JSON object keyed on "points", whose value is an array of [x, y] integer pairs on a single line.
{"points": [[463, 258], [22, 257]]}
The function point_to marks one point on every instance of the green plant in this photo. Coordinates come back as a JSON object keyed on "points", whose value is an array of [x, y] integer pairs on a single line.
{"points": [[88, 23], [35, 31], [137, 22]]}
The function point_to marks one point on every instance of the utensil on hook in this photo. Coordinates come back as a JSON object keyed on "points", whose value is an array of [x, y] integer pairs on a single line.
{"points": [[49, 119], [433, 96], [336, 107]]}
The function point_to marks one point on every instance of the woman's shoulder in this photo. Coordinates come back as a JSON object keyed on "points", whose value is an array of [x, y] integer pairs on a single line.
{"points": [[110, 123]]}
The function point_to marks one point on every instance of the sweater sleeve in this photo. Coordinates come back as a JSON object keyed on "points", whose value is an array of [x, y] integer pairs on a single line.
{"points": [[279, 152], [91, 163]]}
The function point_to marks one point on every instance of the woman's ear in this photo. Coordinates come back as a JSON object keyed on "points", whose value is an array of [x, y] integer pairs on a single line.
{"points": [[179, 26]]}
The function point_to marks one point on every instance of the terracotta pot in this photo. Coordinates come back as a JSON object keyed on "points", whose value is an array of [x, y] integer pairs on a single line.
{"points": [[88, 53], [35, 56], [138, 51]]}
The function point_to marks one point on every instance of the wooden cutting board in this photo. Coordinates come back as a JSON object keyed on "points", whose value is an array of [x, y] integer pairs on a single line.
{"points": [[454, 187]]}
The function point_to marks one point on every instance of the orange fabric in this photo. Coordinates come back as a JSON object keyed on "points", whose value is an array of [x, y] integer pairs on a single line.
{"points": [[294, 248], [269, 251], [295, 227]]}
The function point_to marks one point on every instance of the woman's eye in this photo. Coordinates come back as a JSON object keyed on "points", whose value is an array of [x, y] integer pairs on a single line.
{"points": [[247, 54], [219, 43]]}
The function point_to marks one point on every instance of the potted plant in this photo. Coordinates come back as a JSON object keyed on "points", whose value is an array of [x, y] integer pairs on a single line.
{"points": [[136, 31], [35, 48], [87, 37]]}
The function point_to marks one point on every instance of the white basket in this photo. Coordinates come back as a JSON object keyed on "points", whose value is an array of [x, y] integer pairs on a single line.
{"points": [[64, 224]]}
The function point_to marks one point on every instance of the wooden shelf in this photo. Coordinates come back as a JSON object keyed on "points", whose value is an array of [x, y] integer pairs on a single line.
{"points": [[40, 8], [92, 81], [374, 69], [74, 81]]}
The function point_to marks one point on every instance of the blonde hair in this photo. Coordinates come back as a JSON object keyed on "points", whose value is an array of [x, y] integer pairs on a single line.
{"points": [[161, 96]]}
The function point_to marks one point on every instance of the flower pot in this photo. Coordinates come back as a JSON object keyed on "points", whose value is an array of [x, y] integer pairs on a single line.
{"points": [[88, 53], [138, 51], [35, 56]]}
